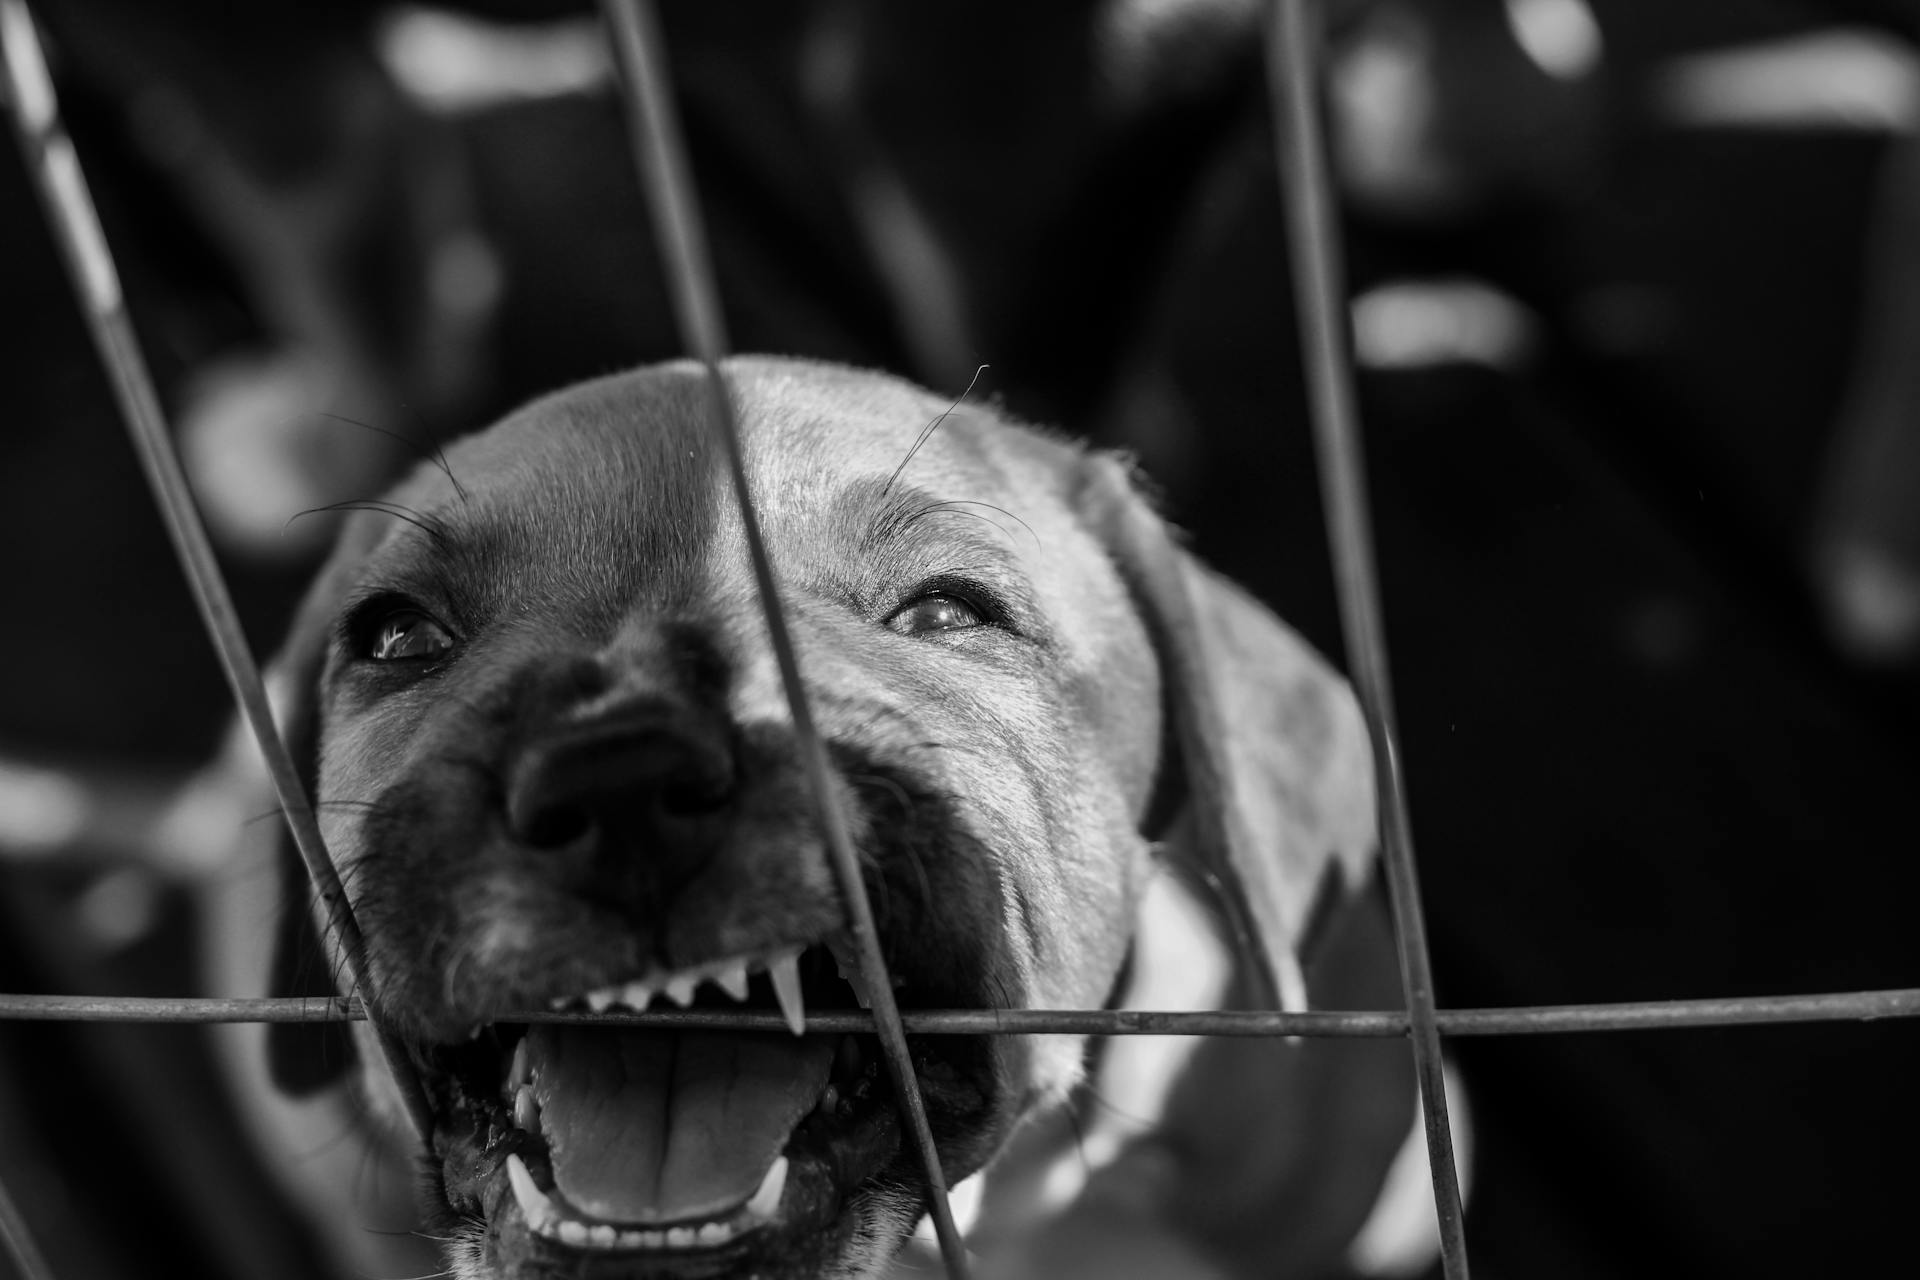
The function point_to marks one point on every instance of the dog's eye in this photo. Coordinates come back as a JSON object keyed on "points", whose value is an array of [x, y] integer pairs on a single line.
{"points": [[408, 633], [935, 612]]}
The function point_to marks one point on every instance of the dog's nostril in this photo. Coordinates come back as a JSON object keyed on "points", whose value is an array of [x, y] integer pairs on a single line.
{"points": [[555, 827], [649, 777], [692, 797]]}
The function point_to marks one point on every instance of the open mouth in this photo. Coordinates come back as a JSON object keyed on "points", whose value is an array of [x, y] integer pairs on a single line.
{"points": [[684, 1144]]}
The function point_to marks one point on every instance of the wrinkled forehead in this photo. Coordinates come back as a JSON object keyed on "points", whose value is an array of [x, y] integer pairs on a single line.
{"points": [[813, 429], [624, 477]]}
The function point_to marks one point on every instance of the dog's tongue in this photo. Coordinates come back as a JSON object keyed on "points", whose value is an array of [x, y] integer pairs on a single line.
{"points": [[662, 1127]]}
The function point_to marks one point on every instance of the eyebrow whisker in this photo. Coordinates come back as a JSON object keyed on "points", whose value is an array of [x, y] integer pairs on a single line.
{"points": [[926, 432]]}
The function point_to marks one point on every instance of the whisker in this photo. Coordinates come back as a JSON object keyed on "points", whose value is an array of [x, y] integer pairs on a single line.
{"points": [[427, 524], [954, 506], [434, 454], [926, 432]]}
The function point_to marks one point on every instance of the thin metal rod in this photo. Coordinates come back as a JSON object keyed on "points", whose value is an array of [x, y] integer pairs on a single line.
{"points": [[20, 1244], [1650, 1015], [1320, 302], [668, 181], [55, 166]]}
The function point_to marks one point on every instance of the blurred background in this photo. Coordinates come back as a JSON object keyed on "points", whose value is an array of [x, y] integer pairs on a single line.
{"points": [[1636, 295]]}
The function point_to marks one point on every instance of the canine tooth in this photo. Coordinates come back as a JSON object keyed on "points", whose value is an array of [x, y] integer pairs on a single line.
{"points": [[637, 995], [766, 1201], [680, 988], [786, 988], [714, 1233], [859, 985], [602, 1235], [600, 1001], [534, 1203], [732, 979], [526, 1113], [681, 1237], [517, 1071], [576, 1233]]}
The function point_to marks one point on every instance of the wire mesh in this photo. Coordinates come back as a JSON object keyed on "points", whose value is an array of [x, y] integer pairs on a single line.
{"points": [[1648, 1015], [1293, 76], [670, 192], [1320, 304], [54, 165]]}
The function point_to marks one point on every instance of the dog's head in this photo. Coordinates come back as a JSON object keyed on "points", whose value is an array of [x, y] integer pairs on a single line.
{"points": [[554, 762]]}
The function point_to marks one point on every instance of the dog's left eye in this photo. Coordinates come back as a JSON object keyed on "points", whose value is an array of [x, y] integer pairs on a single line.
{"points": [[936, 612], [408, 633]]}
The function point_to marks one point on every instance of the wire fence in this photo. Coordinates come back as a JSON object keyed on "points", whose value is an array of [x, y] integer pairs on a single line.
{"points": [[1293, 72]]}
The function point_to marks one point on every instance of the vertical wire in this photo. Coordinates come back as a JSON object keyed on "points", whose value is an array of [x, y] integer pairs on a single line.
{"points": [[661, 154], [1320, 302], [55, 166]]}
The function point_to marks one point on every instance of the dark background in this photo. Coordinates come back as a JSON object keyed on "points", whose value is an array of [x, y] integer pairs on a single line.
{"points": [[1642, 764]]}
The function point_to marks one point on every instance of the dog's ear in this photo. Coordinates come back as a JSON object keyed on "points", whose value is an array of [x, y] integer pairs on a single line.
{"points": [[304, 1057], [1271, 770]]}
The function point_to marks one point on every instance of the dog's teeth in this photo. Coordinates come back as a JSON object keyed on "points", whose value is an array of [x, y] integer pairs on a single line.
{"points": [[859, 985], [637, 995], [732, 979], [712, 1233], [603, 999], [526, 1113], [766, 1201], [829, 1101], [534, 1203], [574, 1232], [680, 988], [845, 958], [786, 988], [517, 1072], [681, 1237], [603, 1236]]}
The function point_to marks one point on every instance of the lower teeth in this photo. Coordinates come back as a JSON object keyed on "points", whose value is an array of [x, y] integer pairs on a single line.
{"points": [[550, 1222]]}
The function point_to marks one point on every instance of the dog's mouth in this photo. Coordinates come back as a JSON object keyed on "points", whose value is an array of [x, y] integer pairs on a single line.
{"points": [[686, 1150]]}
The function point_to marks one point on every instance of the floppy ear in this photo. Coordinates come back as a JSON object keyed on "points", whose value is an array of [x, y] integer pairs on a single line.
{"points": [[1271, 756]]}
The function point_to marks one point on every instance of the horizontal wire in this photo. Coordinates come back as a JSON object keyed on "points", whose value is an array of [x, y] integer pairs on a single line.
{"points": [[1649, 1015]]}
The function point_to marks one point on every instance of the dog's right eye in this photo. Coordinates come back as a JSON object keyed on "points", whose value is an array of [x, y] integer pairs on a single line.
{"points": [[408, 634]]}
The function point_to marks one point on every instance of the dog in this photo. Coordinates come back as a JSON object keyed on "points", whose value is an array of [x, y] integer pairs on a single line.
{"points": [[543, 723]]}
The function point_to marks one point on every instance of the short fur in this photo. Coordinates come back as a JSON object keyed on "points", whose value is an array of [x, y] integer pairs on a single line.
{"points": [[1017, 789]]}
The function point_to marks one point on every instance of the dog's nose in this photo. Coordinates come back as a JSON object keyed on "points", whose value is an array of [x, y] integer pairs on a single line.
{"points": [[645, 784]]}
